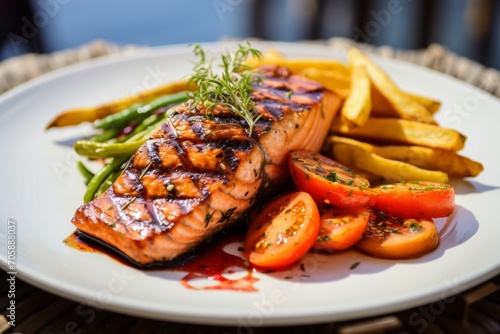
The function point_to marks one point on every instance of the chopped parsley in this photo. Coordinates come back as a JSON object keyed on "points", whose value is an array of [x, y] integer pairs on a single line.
{"points": [[414, 227], [332, 176], [323, 238]]}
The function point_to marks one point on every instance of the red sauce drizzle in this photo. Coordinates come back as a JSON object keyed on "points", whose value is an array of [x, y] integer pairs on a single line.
{"points": [[213, 263], [75, 242], [210, 264]]}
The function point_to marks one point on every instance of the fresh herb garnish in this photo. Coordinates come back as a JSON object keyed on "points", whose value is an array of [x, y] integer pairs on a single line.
{"points": [[354, 265], [226, 215], [126, 204], [332, 176], [231, 88], [208, 218], [414, 227], [145, 170]]}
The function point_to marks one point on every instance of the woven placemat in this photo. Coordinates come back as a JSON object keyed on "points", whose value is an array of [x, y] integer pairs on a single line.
{"points": [[474, 311], [17, 70]]}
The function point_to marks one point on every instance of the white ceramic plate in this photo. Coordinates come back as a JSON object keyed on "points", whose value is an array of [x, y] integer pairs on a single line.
{"points": [[41, 189]]}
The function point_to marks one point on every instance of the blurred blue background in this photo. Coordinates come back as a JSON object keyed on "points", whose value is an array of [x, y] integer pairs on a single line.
{"points": [[467, 27]]}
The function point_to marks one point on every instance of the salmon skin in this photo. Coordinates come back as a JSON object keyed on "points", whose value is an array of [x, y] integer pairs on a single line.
{"points": [[197, 175]]}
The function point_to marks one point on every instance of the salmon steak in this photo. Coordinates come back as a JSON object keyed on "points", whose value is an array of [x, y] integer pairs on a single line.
{"points": [[197, 175]]}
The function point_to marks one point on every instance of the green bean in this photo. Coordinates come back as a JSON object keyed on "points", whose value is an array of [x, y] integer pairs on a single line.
{"points": [[86, 173], [99, 178], [106, 135], [108, 182], [138, 111], [151, 120], [95, 150]]}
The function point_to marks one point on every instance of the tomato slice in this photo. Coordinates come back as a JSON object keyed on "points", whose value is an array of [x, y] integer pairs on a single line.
{"points": [[283, 232], [393, 237], [329, 181], [340, 228], [416, 199]]}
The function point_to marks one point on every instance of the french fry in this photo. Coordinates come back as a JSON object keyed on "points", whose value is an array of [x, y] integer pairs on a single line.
{"points": [[390, 170], [299, 64], [358, 104], [450, 162], [399, 131], [405, 106], [273, 54], [77, 116], [338, 83], [267, 56], [382, 108], [430, 104]]}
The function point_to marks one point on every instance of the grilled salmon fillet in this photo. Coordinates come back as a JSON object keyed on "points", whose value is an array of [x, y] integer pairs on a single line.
{"points": [[196, 176]]}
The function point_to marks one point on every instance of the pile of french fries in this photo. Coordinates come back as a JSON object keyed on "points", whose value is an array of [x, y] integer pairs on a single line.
{"points": [[387, 134]]}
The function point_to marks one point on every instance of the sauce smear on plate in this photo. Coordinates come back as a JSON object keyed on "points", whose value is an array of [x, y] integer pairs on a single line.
{"points": [[208, 270]]}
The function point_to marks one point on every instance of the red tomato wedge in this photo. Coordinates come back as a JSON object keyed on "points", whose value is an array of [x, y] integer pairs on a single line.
{"points": [[340, 228], [393, 237], [416, 199], [283, 232], [328, 181]]}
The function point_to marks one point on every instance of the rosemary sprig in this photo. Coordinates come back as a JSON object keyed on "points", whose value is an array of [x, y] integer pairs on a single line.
{"points": [[231, 87]]}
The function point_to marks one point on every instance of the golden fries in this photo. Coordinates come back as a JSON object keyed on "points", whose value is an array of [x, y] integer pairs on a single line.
{"points": [[390, 170], [393, 130], [405, 106], [431, 105], [358, 104], [382, 108], [446, 161], [339, 83], [375, 109], [297, 65]]}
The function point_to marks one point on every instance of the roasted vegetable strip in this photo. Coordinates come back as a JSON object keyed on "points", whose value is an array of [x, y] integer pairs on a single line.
{"points": [[138, 112], [77, 116]]}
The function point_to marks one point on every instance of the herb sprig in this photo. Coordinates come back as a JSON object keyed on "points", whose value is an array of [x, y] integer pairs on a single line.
{"points": [[231, 87]]}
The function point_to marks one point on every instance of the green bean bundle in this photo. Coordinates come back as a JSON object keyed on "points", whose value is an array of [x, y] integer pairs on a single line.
{"points": [[114, 148]]}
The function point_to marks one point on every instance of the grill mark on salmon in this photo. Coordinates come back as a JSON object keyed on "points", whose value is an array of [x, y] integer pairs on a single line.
{"points": [[196, 176]]}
